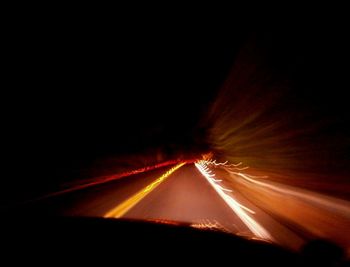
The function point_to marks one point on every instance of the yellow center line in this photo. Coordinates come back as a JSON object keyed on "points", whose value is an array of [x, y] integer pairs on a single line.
{"points": [[125, 206]]}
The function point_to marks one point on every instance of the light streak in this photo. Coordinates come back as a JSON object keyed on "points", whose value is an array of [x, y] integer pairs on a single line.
{"points": [[82, 184], [237, 208], [208, 162], [128, 204], [333, 204], [209, 225], [226, 165]]}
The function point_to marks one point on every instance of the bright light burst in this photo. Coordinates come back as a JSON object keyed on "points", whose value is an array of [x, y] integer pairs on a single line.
{"points": [[240, 210]]}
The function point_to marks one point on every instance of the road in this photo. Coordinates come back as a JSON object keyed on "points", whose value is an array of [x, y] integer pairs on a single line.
{"points": [[184, 196], [193, 194]]}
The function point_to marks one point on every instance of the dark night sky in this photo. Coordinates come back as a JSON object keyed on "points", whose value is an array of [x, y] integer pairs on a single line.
{"points": [[91, 91], [85, 89]]}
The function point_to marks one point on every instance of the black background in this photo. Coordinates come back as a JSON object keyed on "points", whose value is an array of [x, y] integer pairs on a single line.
{"points": [[85, 87]]}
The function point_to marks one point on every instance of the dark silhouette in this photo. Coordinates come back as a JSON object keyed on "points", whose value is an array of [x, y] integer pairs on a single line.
{"points": [[322, 252]]}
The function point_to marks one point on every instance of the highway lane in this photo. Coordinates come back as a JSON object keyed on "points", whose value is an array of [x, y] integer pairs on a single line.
{"points": [[184, 196], [209, 197], [94, 200], [187, 197]]}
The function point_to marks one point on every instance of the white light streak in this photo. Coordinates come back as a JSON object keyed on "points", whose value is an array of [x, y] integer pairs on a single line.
{"points": [[333, 204], [237, 208]]}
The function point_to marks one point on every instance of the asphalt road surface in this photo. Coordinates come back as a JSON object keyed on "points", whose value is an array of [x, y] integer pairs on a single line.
{"points": [[238, 204], [184, 196]]}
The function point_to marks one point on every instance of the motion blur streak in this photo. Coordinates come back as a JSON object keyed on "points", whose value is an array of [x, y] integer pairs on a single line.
{"points": [[210, 225], [296, 144], [124, 207], [317, 215], [331, 203], [239, 209], [82, 184]]}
